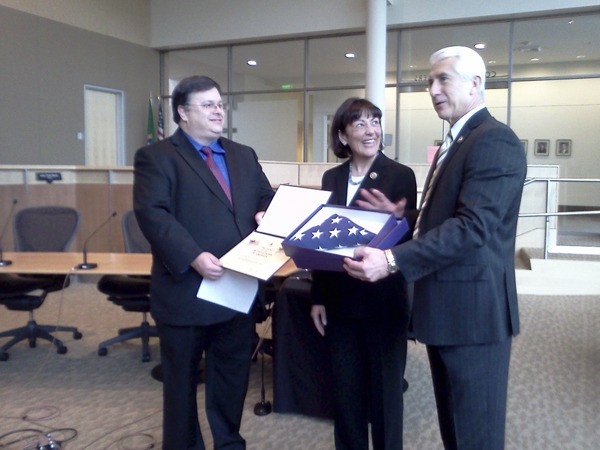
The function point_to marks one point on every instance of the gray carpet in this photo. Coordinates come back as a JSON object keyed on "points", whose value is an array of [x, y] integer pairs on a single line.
{"points": [[113, 403]]}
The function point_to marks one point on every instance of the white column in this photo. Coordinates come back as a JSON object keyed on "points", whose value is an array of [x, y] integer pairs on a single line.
{"points": [[376, 48]]}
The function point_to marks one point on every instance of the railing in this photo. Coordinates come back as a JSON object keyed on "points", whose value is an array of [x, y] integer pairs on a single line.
{"points": [[547, 214]]}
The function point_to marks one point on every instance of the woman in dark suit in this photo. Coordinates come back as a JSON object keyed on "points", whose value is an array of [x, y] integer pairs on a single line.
{"points": [[365, 324]]}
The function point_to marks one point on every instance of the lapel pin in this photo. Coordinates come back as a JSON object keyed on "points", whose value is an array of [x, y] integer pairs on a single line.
{"points": [[373, 175], [460, 139]]}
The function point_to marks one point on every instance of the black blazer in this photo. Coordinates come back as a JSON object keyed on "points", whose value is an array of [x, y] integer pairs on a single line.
{"points": [[347, 296], [183, 212], [463, 261]]}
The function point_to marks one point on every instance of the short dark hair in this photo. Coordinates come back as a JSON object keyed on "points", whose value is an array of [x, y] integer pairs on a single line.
{"points": [[349, 111], [188, 86]]}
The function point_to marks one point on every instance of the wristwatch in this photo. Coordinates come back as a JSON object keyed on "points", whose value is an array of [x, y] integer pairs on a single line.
{"points": [[391, 261]]}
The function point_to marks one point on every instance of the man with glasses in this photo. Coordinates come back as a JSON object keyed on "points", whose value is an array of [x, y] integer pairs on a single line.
{"points": [[196, 195]]}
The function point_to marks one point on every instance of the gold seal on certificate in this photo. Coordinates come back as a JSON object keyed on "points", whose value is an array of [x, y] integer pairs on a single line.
{"points": [[258, 255]]}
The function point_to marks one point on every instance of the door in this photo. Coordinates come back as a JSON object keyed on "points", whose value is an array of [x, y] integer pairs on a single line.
{"points": [[104, 140]]}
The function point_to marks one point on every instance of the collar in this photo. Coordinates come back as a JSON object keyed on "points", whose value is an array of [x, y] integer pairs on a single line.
{"points": [[215, 146], [460, 123]]}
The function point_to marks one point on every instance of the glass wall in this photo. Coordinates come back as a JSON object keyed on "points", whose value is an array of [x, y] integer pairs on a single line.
{"points": [[543, 79], [558, 46], [274, 66]]}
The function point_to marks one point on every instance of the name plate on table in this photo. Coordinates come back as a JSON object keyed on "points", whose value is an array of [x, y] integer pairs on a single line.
{"points": [[261, 254], [48, 177]]}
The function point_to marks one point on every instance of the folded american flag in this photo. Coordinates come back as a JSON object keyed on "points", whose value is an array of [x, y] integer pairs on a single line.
{"points": [[335, 232]]}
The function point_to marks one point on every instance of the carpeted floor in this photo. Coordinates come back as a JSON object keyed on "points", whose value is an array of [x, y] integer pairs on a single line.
{"points": [[113, 403]]}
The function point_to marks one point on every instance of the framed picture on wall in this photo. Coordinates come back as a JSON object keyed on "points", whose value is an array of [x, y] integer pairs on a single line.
{"points": [[524, 143], [563, 147], [541, 147]]}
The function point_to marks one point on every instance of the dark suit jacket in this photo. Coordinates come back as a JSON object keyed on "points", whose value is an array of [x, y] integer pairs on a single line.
{"points": [[183, 212], [342, 294], [463, 261]]}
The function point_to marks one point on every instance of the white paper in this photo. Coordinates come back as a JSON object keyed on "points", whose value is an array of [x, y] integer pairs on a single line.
{"points": [[233, 290], [290, 206]]}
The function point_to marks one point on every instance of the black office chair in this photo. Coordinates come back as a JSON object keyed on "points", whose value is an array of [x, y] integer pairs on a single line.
{"points": [[44, 228], [132, 293]]}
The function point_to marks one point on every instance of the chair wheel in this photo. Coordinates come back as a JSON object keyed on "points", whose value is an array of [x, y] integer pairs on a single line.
{"points": [[4, 356], [103, 351], [145, 358], [61, 350], [77, 335]]}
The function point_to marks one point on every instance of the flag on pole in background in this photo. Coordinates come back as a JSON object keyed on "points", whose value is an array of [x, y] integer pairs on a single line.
{"points": [[151, 136], [160, 132]]}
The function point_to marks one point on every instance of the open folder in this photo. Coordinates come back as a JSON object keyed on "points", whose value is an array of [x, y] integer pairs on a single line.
{"points": [[261, 254]]}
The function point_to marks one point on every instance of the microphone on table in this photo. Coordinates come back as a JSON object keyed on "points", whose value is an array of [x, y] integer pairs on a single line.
{"points": [[6, 262], [85, 265]]}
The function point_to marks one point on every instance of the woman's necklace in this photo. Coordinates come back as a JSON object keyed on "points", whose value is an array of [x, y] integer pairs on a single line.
{"points": [[354, 180]]}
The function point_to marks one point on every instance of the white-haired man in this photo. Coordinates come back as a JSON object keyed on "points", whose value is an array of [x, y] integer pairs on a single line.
{"points": [[461, 259]]}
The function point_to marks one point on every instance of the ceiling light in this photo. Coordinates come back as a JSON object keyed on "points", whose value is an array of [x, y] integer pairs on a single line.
{"points": [[479, 46], [251, 62], [492, 61], [534, 59], [350, 55], [580, 56]]}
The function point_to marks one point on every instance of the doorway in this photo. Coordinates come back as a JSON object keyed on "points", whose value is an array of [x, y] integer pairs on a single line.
{"points": [[104, 130]]}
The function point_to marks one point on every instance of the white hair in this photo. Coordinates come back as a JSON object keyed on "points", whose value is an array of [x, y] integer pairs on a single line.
{"points": [[467, 62]]}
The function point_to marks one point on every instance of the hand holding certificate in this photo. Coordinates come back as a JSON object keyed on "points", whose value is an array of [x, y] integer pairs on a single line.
{"points": [[260, 254]]}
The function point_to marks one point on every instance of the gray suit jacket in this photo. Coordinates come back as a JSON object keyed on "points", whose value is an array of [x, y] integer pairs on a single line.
{"points": [[183, 212], [463, 261]]}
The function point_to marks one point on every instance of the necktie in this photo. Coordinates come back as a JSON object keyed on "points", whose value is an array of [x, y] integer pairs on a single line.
{"points": [[441, 154], [210, 162]]}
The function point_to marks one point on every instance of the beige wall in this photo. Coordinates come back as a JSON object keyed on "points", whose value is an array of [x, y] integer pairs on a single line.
{"points": [[45, 66], [128, 20], [218, 21], [176, 23]]}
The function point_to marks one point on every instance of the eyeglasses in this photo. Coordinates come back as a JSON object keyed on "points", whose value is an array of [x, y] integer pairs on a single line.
{"points": [[210, 106]]}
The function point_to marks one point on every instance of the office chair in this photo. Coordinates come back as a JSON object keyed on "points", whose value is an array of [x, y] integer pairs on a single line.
{"points": [[43, 228], [132, 293]]}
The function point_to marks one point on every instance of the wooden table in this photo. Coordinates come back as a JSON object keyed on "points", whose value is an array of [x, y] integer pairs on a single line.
{"points": [[65, 262], [108, 263]]}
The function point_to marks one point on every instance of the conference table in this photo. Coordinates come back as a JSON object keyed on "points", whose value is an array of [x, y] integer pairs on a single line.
{"points": [[66, 262], [107, 263], [301, 381]]}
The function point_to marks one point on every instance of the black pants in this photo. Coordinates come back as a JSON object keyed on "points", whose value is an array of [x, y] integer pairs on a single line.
{"points": [[368, 357], [227, 349]]}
